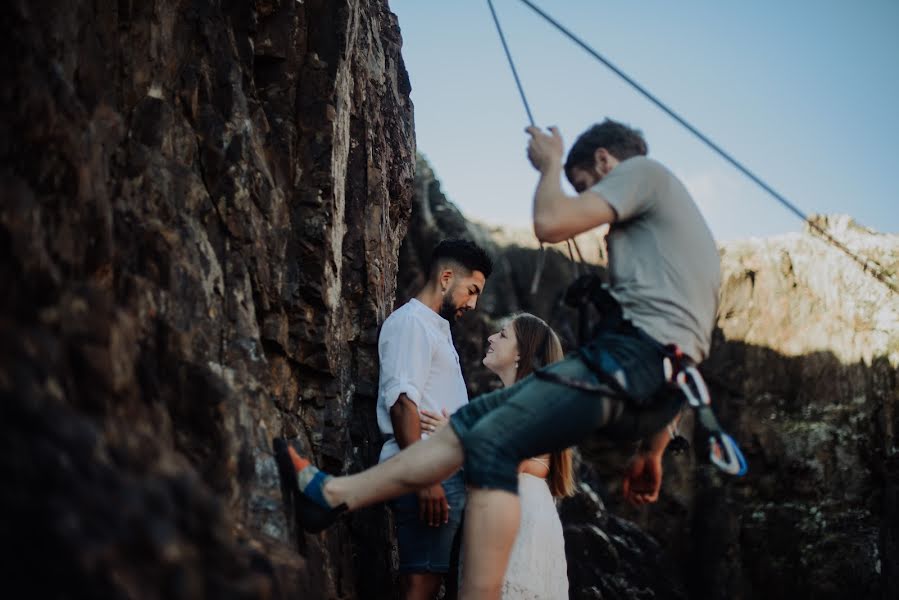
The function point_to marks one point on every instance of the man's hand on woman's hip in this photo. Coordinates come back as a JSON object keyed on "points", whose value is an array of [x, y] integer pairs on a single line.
{"points": [[432, 422]]}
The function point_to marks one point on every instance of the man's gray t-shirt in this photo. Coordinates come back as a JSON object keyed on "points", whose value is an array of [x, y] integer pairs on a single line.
{"points": [[664, 267]]}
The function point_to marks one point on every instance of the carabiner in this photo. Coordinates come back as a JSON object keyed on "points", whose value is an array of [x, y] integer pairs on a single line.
{"points": [[697, 394], [726, 455]]}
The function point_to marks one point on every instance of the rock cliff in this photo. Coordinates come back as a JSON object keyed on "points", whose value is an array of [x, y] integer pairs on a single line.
{"points": [[809, 347], [202, 205]]}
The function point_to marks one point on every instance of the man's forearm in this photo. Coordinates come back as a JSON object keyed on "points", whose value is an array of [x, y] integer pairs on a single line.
{"points": [[549, 198], [558, 216], [657, 443], [660, 440], [406, 421]]}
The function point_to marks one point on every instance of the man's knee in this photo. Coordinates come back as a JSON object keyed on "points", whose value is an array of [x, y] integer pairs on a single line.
{"points": [[489, 463]]}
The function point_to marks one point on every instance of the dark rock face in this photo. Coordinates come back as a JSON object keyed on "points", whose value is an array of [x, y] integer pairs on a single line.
{"points": [[611, 557], [202, 205]]}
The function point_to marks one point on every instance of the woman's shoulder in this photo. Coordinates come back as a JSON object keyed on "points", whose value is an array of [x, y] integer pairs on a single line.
{"points": [[537, 466]]}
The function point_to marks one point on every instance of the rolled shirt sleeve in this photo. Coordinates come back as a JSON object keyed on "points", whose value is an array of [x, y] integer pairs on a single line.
{"points": [[405, 355]]}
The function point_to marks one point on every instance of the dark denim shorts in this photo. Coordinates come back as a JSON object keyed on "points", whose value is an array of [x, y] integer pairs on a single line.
{"points": [[537, 416], [422, 548]]}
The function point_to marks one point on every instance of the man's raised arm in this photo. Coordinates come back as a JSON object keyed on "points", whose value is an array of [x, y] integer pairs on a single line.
{"points": [[558, 216]]}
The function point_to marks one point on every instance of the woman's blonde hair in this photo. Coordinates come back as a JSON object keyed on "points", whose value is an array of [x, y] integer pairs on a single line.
{"points": [[538, 346]]}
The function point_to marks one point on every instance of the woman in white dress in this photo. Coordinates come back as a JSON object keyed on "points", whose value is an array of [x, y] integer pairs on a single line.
{"points": [[537, 569]]}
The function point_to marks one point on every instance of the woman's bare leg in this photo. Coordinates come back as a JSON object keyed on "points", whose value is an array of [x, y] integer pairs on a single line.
{"points": [[422, 464], [491, 523]]}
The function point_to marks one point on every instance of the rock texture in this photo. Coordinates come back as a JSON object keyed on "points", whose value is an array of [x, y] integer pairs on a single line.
{"points": [[811, 345], [202, 205]]}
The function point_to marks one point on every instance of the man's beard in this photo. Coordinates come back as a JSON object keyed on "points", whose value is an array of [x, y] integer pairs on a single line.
{"points": [[448, 310]]}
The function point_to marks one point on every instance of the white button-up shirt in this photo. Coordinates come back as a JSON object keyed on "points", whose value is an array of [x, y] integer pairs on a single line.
{"points": [[417, 359]]}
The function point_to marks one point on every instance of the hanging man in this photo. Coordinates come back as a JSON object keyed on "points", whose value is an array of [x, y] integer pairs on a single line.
{"points": [[664, 275]]}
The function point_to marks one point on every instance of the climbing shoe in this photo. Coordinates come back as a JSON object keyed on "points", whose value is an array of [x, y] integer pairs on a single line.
{"points": [[304, 482]]}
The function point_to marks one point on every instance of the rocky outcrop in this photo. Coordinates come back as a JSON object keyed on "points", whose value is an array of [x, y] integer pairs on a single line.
{"points": [[809, 345], [202, 205], [201, 211]]}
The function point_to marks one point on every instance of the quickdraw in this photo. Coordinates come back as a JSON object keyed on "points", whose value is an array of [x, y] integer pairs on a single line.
{"points": [[724, 452]]}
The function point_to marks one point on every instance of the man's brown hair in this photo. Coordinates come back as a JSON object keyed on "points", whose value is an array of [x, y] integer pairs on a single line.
{"points": [[621, 141]]}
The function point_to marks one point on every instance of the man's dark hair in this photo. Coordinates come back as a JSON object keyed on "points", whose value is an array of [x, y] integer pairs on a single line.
{"points": [[462, 252], [621, 141]]}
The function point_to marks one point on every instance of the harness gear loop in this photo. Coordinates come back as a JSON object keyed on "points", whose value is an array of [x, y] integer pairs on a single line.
{"points": [[692, 385]]}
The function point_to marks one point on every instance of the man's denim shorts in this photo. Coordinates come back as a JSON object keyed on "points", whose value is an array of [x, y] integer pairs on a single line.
{"points": [[536, 416], [422, 548]]}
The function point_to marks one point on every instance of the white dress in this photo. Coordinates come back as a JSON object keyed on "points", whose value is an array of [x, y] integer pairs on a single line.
{"points": [[537, 568]]}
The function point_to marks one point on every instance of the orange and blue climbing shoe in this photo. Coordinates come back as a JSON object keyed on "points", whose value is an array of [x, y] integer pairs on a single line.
{"points": [[305, 483]]}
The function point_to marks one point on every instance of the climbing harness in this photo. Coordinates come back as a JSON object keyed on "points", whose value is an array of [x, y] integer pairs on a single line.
{"points": [[680, 374], [868, 265], [683, 378]]}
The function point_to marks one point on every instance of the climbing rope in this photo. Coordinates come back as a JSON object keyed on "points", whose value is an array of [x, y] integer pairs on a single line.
{"points": [[868, 266], [541, 255], [502, 38], [541, 258]]}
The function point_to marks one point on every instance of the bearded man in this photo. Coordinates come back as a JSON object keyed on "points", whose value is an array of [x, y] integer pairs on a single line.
{"points": [[420, 372]]}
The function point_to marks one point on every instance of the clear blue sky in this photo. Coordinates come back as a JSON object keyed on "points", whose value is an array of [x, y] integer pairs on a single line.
{"points": [[804, 93]]}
